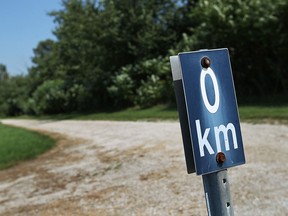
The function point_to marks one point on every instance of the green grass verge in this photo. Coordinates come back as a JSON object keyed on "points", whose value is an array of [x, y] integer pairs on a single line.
{"points": [[247, 113], [134, 114], [18, 144], [270, 114], [254, 114], [156, 113]]}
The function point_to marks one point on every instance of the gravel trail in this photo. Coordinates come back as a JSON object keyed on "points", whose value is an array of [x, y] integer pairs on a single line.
{"points": [[138, 168]]}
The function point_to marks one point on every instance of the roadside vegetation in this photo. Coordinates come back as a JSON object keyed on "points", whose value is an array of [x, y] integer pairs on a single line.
{"points": [[248, 113], [254, 114], [264, 114], [18, 144], [115, 54]]}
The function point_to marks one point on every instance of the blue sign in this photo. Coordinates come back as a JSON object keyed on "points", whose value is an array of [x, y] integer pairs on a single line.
{"points": [[211, 110]]}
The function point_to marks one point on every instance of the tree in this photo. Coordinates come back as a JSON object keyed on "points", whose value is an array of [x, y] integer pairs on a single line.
{"points": [[14, 96], [251, 30], [95, 40], [115, 52], [3, 73]]}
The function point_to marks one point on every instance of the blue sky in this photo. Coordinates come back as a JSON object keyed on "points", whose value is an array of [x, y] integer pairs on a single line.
{"points": [[23, 23]]}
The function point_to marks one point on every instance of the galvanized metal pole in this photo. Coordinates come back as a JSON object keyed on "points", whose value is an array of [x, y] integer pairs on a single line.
{"points": [[217, 194]]}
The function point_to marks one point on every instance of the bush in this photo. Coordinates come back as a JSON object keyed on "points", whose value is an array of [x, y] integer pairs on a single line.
{"points": [[144, 84], [50, 98], [13, 95]]}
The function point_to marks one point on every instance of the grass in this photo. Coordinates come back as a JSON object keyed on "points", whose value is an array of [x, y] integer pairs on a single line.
{"points": [[269, 114], [251, 113], [247, 114], [156, 113], [18, 144]]}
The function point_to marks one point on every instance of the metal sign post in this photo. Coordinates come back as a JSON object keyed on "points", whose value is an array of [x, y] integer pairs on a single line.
{"points": [[209, 120], [217, 194]]}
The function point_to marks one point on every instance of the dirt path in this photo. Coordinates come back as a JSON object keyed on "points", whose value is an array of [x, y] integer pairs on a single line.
{"points": [[138, 168]]}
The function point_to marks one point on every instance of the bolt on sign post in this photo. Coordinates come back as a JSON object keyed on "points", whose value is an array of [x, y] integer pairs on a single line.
{"points": [[209, 121]]}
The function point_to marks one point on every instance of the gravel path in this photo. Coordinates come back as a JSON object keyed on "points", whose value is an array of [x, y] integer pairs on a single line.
{"points": [[138, 168]]}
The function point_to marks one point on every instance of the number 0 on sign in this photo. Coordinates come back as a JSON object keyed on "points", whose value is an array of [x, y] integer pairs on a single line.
{"points": [[211, 109]]}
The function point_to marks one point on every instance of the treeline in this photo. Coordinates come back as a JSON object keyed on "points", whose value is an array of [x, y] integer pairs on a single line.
{"points": [[115, 53]]}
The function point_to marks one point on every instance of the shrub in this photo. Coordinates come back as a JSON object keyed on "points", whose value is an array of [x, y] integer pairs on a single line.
{"points": [[50, 97]]}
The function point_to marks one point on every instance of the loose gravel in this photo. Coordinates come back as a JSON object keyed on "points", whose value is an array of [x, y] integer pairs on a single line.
{"points": [[138, 168]]}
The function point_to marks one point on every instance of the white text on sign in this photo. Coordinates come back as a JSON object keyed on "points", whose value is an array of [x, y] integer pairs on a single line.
{"points": [[203, 139], [211, 108], [204, 142]]}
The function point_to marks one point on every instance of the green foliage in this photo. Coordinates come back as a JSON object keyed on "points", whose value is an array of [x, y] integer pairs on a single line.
{"points": [[149, 92], [115, 53], [13, 95], [18, 144], [254, 32], [122, 89], [99, 46], [50, 97], [145, 84], [3, 73]]}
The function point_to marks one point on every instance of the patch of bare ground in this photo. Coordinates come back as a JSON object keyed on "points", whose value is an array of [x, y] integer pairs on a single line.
{"points": [[138, 168]]}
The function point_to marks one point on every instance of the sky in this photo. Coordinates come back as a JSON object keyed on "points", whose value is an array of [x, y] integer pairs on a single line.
{"points": [[23, 24]]}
